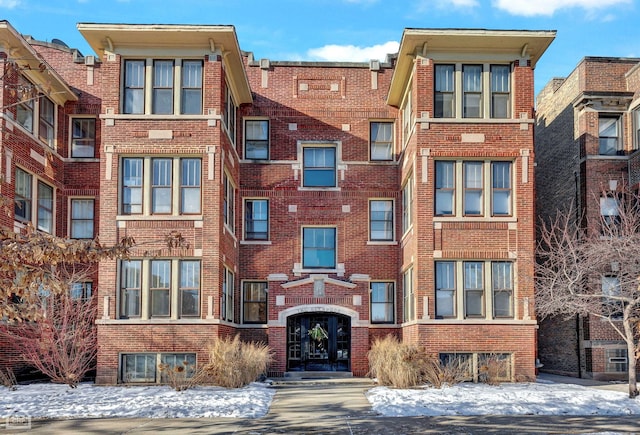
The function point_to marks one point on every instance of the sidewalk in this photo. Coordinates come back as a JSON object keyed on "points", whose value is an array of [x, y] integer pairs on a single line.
{"points": [[600, 385], [339, 406]]}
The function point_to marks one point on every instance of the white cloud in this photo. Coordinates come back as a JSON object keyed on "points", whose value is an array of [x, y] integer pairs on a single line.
{"points": [[549, 7], [352, 53], [9, 4], [460, 3]]}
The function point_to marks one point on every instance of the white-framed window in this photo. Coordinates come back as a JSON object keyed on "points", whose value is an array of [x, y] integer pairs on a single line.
{"points": [[616, 360], [159, 287], [47, 115], [229, 202], [609, 212], [148, 185], [319, 247], [382, 295], [254, 302], [463, 283], [381, 140], [610, 285], [83, 137], [319, 166], [150, 86], [407, 116], [256, 139], [381, 220], [25, 186], [407, 204], [25, 109], [152, 367], [82, 218], [473, 188], [610, 142], [473, 288], [81, 290], [480, 367], [408, 296], [636, 127], [256, 219], [460, 91], [227, 297], [229, 114]]}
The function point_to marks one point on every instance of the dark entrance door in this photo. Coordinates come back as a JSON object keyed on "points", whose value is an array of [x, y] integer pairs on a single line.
{"points": [[319, 342]]}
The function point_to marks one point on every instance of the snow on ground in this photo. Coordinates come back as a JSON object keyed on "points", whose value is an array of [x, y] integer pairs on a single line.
{"points": [[505, 399], [88, 400], [253, 401]]}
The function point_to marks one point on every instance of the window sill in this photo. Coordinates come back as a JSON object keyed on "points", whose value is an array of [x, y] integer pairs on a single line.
{"points": [[255, 242], [158, 217], [150, 116], [319, 189], [156, 321], [475, 219], [82, 160], [381, 243]]}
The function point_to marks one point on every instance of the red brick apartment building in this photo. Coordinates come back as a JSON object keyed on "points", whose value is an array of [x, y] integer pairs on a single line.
{"points": [[324, 204], [587, 140]]}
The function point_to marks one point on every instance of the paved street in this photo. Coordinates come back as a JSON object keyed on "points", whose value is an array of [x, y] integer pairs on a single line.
{"points": [[340, 407]]}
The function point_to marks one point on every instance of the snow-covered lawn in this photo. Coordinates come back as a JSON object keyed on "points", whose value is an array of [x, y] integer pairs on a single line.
{"points": [[253, 401]]}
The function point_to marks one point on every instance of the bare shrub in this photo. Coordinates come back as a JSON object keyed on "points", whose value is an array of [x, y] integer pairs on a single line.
{"points": [[63, 343], [234, 363], [181, 376], [8, 379], [493, 369], [453, 372]]}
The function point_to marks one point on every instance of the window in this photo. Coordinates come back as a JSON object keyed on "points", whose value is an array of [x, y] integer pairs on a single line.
{"points": [[445, 289], [25, 109], [502, 288], [609, 133], [319, 248], [407, 205], [501, 188], [82, 212], [256, 143], [616, 361], [46, 128], [228, 287], [254, 302], [229, 202], [381, 140], [190, 176], [319, 166], [444, 91], [256, 219], [409, 311], [161, 170], [157, 183], [130, 288], [381, 219], [83, 137], [500, 90], [132, 186], [611, 307], [45, 207], [162, 97], [609, 213], [473, 289], [494, 367], [23, 197], [191, 92], [165, 73], [189, 288], [472, 91], [229, 114], [636, 128], [159, 287], [460, 362], [133, 86], [152, 367], [445, 188], [473, 183], [81, 290], [382, 298], [407, 116]]}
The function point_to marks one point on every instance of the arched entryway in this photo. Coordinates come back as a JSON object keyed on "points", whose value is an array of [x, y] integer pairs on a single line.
{"points": [[319, 342]]}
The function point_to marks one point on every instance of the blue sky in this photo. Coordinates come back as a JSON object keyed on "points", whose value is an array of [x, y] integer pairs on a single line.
{"points": [[351, 30]]}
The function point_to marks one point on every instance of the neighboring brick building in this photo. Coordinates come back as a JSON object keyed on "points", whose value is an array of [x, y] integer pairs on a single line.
{"points": [[324, 204], [586, 144]]}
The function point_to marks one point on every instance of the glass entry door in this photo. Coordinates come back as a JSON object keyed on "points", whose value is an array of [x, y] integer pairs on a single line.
{"points": [[318, 342]]}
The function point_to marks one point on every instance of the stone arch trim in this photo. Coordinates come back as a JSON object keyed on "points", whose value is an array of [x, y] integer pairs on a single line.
{"points": [[317, 308]]}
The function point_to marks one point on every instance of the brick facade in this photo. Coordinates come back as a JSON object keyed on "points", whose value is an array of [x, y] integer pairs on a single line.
{"points": [[319, 260], [573, 170]]}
